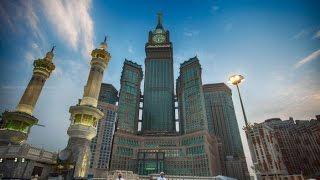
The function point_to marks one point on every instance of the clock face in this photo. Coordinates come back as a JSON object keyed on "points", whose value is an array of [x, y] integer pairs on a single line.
{"points": [[159, 38]]}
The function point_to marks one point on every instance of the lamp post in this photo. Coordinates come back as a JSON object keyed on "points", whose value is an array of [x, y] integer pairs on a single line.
{"points": [[236, 80]]}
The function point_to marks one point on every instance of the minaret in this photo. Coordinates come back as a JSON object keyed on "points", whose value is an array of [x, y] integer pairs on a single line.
{"points": [[85, 115], [16, 125]]}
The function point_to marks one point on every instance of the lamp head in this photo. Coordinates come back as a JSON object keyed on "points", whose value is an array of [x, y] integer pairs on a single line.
{"points": [[236, 79]]}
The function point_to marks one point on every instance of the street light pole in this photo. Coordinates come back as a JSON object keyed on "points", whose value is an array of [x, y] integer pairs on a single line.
{"points": [[244, 113], [236, 80]]}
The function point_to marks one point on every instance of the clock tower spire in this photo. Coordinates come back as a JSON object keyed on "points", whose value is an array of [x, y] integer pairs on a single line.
{"points": [[159, 26]]}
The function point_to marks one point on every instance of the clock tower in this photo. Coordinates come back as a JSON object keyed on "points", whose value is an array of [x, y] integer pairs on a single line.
{"points": [[158, 102]]}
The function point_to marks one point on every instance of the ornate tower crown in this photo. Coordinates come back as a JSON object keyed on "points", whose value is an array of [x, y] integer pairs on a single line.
{"points": [[49, 55], [158, 36]]}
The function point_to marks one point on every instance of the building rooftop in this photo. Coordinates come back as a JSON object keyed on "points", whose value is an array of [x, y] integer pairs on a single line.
{"points": [[190, 61], [216, 87], [131, 63]]}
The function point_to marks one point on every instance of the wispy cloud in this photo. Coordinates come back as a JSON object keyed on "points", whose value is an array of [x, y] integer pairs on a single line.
{"points": [[190, 33], [301, 34], [130, 49], [313, 56], [317, 35], [214, 8], [20, 16], [72, 21], [34, 52]]}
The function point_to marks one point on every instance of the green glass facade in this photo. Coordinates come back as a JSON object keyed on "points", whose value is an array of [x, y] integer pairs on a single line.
{"points": [[222, 122], [190, 97], [108, 94], [221, 116], [158, 101], [129, 97]]}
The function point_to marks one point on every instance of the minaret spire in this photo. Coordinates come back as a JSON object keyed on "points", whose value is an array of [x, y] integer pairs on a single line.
{"points": [[103, 45], [52, 48]]}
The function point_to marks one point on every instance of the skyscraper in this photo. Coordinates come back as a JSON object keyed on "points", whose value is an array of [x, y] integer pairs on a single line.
{"points": [[158, 100], [191, 99], [222, 118], [108, 94], [102, 143], [125, 139], [129, 97], [158, 147], [222, 123]]}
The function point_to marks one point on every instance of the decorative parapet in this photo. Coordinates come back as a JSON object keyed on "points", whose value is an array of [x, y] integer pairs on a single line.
{"points": [[27, 152]]}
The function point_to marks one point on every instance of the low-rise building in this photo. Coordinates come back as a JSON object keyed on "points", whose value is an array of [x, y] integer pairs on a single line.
{"points": [[24, 161], [285, 147]]}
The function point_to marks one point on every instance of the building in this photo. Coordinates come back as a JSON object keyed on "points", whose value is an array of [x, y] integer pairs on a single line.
{"points": [[108, 94], [130, 175], [24, 161], [102, 143], [191, 97], [222, 122], [158, 147], [158, 99], [129, 97], [282, 148]]}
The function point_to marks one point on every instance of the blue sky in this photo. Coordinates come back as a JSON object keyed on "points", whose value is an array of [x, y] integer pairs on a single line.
{"points": [[275, 44]]}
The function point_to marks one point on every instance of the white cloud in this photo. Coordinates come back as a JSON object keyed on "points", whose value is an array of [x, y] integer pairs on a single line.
{"points": [[311, 57], [317, 35], [72, 21]]}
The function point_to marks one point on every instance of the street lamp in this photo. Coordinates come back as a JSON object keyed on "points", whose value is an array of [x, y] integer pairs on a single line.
{"points": [[236, 80]]}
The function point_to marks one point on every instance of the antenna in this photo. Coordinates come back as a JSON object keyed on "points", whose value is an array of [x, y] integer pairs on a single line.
{"points": [[159, 18]]}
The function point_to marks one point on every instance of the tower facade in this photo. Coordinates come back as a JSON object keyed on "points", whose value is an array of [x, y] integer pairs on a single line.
{"points": [[222, 122], [16, 125], [102, 143], [129, 98], [108, 94], [191, 99], [85, 116], [222, 117], [158, 99]]}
